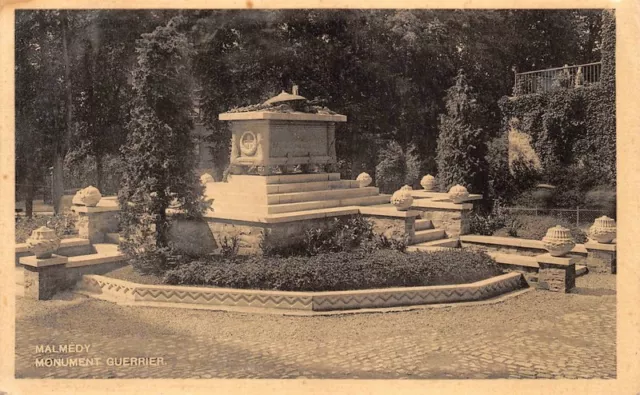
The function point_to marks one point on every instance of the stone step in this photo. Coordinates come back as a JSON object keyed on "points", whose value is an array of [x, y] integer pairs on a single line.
{"points": [[297, 197], [313, 205], [444, 243], [311, 186], [427, 235], [112, 238], [301, 178], [417, 248], [423, 224]]}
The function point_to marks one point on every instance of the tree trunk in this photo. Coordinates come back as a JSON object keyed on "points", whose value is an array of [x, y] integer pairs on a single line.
{"points": [[99, 171], [57, 188], [28, 195], [61, 148]]}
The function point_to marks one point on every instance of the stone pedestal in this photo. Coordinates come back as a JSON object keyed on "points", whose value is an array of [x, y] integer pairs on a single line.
{"points": [[94, 223], [601, 258], [44, 277], [391, 223], [557, 274], [453, 218]]}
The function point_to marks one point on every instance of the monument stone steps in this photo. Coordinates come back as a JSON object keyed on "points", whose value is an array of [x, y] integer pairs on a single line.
{"points": [[311, 205], [298, 197], [427, 235], [298, 178], [311, 186]]}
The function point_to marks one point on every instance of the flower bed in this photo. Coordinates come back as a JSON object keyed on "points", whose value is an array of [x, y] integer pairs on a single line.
{"points": [[337, 271]]}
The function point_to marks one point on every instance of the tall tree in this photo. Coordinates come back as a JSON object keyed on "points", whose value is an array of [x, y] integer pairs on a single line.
{"points": [[158, 156], [462, 141]]}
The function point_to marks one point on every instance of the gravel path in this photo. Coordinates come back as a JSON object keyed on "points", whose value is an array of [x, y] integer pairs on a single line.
{"points": [[537, 334]]}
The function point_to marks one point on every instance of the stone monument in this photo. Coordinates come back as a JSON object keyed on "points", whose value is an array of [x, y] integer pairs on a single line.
{"points": [[282, 178]]}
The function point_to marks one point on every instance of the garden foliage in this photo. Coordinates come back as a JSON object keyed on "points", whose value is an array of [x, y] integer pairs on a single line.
{"points": [[573, 131], [462, 141], [343, 234], [337, 271], [397, 167], [535, 228], [158, 160]]}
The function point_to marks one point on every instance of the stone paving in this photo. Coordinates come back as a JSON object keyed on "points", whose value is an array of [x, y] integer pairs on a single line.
{"points": [[535, 335]]}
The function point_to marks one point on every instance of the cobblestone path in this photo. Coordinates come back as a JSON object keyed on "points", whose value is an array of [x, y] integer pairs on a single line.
{"points": [[537, 334]]}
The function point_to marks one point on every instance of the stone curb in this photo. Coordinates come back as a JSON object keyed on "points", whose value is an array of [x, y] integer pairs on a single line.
{"points": [[283, 302]]}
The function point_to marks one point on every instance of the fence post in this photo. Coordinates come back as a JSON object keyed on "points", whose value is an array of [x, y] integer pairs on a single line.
{"points": [[536, 211], [577, 216]]}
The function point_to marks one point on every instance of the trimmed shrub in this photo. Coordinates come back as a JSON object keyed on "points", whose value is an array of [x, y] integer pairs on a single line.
{"points": [[337, 271], [62, 224], [397, 167], [535, 228]]}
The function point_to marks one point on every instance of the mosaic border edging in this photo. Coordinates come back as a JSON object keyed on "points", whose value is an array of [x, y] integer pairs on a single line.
{"points": [[125, 292]]}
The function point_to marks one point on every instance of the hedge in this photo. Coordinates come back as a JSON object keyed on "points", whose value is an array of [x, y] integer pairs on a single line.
{"points": [[338, 271]]}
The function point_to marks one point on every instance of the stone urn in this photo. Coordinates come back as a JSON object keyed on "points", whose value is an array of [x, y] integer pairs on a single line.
{"points": [[428, 183], [364, 180], [43, 242], [402, 198], [558, 241], [89, 196], [458, 194], [206, 178], [603, 230]]}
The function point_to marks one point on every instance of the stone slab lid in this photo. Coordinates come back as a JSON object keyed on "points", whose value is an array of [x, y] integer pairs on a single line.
{"points": [[286, 96], [283, 116]]}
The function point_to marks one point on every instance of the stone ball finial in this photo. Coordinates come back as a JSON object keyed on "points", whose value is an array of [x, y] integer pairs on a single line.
{"points": [[364, 180], [402, 198], [206, 178], [603, 230], [89, 196], [458, 194], [43, 242], [428, 183], [558, 241]]}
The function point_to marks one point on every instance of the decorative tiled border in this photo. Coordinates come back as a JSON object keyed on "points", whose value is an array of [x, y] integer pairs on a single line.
{"points": [[124, 292]]}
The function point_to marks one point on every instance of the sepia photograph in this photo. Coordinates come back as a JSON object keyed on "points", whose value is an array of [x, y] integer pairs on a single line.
{"points": [[391, 194]]}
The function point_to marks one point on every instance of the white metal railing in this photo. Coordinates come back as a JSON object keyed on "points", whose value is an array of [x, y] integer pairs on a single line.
{"points": [[540, 81]]}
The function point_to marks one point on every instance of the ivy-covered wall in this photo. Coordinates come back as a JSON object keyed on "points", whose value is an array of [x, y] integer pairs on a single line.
{"points": [[573, 130]]}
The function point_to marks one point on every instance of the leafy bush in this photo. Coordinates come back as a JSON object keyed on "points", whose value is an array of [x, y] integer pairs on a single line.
{"points": [[487, 224], [62, 224], [337, 271], [397, 167], [535, 228], [342, 234]]}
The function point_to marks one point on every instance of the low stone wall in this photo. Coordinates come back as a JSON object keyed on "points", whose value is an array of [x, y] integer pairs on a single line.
{"points": [[44, 277], [513, 245], [44, 283], [124, 292]]}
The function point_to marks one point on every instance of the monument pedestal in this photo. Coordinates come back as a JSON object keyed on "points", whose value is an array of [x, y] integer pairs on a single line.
{"points": [[43, 277], [276, 210], [557, 274]]}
